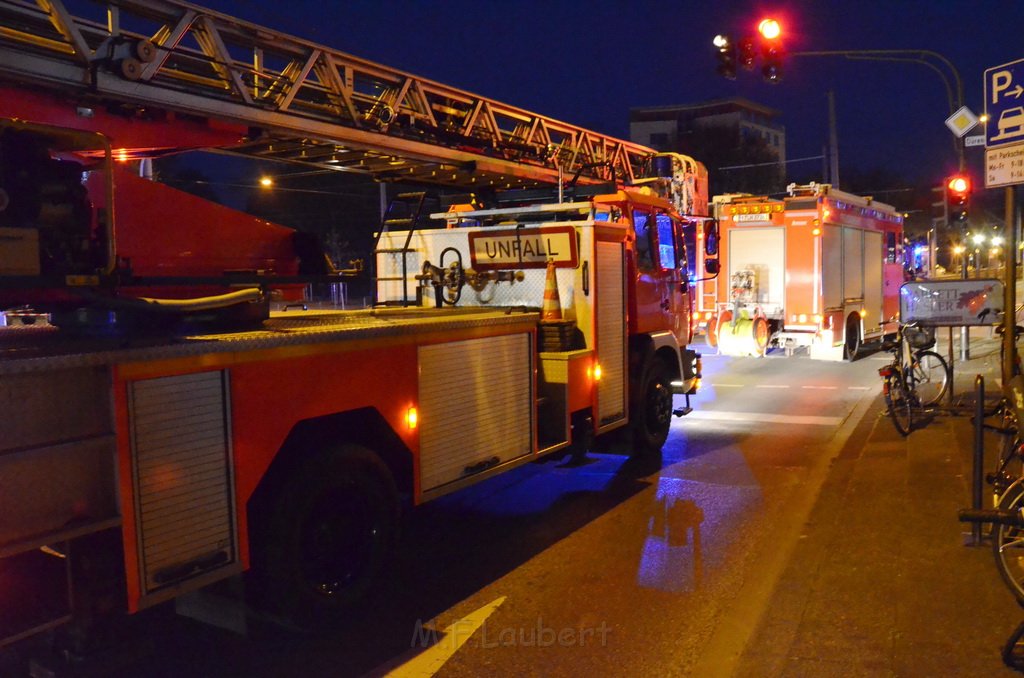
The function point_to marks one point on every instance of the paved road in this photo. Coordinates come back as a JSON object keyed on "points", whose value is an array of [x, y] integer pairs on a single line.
{"points": [[616, 567]]}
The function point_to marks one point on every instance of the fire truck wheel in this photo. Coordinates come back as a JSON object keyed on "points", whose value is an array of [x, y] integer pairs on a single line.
{"points": [[329, 535], [761, 335], [652, 408], [852, 344], [581, 432]]}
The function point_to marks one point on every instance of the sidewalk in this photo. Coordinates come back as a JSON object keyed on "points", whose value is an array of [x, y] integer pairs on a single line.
{"points": [[882, 582]]}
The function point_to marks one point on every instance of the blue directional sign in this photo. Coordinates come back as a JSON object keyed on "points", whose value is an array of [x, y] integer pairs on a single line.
{"points": [[1004, 104]]}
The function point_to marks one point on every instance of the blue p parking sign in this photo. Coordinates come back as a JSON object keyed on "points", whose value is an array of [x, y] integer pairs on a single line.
{"points": [[1004, 104]]}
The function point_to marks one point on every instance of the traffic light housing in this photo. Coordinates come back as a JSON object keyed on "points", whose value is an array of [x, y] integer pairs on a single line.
{"points": [[958, 199], [726, 56], [771, 49], [747, 53], [772, 68]]}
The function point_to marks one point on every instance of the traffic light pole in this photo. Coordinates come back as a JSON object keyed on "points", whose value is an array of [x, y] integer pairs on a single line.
{"points": [[954, 90], [1010, 287]]}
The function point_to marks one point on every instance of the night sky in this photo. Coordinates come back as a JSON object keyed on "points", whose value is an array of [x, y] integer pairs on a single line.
{"points": [[588, 62]]}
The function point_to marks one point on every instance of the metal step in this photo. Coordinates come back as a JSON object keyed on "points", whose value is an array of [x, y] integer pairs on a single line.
{"points": [[398, 222], [414, 195]]}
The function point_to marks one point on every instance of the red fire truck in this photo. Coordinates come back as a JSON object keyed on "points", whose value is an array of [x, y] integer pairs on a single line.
{"points": [[818, 269], [166, 430]]}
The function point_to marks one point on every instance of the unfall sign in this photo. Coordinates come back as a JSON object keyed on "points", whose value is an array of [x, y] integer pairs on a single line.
{"points": [[524, 248]]}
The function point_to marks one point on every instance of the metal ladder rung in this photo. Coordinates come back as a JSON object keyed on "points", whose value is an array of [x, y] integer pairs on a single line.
{"points": [[390, 278], [398, 222], [415, 195], [393, 250]]}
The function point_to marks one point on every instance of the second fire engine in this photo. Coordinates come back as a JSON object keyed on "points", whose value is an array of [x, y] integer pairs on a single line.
{"points": [[818, 269]]}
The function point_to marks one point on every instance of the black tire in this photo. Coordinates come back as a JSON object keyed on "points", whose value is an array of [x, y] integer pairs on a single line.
{"points": [[581, 436], [899, 403], [327, 536], [651, 407], [1008, 544], [852, 344], [1010, 466], [929, 377]]}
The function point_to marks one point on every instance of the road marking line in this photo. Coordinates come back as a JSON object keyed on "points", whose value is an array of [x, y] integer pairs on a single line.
{"points": [[860, 388], [429, 661], [726, 385], [822, 388], [764, 417], [771, 385]]}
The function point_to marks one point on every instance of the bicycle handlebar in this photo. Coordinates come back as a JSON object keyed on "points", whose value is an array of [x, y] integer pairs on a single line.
{"points": [[997, 516]]}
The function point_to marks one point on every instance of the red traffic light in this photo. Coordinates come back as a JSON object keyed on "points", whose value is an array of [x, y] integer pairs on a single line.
{"points": [[770, 29], [959, 184]]}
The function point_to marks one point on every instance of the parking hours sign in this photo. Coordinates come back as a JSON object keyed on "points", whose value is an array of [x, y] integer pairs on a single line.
{"points": [[1004, 132]]}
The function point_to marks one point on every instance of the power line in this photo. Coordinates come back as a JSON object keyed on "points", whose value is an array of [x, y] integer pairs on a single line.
{"points": [[777, 162]]}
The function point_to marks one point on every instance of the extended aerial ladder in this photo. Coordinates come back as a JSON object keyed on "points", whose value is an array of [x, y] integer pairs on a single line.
{"points": [[262, 93]]}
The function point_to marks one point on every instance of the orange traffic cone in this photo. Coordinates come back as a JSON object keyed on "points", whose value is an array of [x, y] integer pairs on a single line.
{"points": [[552, 307]]}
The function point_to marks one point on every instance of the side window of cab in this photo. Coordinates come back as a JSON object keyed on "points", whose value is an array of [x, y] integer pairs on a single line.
{"points": [[641, 228], [667, 255]]}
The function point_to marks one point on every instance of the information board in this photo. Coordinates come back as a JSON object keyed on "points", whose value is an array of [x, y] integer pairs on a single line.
{"points": [[976, 301]]}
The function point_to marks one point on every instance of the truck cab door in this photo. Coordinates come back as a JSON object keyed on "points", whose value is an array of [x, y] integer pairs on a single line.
{"points": [[673, 279], [650, 294]]}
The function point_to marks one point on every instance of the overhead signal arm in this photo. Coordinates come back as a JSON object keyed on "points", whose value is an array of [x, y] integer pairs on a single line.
{"points": [[301, 101]]}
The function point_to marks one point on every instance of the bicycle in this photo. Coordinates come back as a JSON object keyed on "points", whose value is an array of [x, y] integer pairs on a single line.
{"points": [[1010, 464], [1007, 541], [921, 382]]}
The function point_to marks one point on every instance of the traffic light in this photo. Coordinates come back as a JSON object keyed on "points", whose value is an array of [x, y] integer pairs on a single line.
{"points": [[726, 56], [771, 49], [958, 198], [772, 69], [770, 29], [747, 53]]}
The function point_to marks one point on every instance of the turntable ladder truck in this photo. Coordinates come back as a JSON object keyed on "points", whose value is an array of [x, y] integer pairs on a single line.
{"points": [[156, 442]]}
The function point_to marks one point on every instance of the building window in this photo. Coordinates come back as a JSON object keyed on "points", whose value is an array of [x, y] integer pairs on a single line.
{"points": [[659, 140]]}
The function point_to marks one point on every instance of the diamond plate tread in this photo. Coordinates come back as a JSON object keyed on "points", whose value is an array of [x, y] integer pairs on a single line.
{"points": [[30, 350]]}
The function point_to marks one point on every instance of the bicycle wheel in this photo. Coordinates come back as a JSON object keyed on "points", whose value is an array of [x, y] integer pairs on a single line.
{"points": [[899, 402], [1010, 466], [928, 377], [1008, 544]]}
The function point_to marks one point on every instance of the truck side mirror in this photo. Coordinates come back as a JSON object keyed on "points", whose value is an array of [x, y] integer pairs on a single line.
{"points": [[712, 266], [711, 238]]}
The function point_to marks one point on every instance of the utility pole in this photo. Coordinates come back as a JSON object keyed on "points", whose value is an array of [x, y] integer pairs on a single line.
{"points": [[833, 142]]}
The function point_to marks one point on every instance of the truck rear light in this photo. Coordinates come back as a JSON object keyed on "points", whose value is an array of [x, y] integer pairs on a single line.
{"points": [[815, 231], [802, 318], [412, 418], [886, 371], [863, 313], [595, 372], [817, 318], [707, 315]]}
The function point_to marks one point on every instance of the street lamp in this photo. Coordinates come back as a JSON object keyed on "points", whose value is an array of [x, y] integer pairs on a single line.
{"points": [[958, 250]]}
